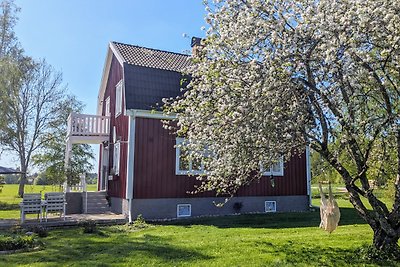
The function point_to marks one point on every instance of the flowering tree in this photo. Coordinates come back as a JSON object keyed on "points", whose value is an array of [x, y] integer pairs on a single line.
{"points": [[273, 76]]}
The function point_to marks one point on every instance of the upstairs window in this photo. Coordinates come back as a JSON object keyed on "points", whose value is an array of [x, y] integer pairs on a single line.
{"points": [[116, 159], [107, 111], [185, 164], [275, 170], [118, 98]]}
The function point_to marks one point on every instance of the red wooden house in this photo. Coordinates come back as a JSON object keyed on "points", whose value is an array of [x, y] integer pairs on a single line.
{"points": [[140, 168]]}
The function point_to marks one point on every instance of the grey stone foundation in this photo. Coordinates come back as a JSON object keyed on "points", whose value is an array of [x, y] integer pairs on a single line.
{"points": [[166, 208]]}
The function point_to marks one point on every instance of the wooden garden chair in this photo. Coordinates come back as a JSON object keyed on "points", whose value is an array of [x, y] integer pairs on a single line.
{"points": [[31, 204], [55, 203]]}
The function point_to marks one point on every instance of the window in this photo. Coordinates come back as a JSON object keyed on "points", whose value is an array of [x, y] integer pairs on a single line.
{"points": [[107, 111], [275, 170], [116, 159], [270, 206], [118, 98], [184, 163], [184, 210]]}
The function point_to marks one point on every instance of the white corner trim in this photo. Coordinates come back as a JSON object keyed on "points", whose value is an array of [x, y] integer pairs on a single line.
{"points": [[151, 114], [103, 82], [117, 54], [308, 172], [130, 160]]}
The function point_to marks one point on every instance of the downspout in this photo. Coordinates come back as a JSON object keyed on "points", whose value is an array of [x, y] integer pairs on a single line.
{"points": [[308, 173], [130, 165]]}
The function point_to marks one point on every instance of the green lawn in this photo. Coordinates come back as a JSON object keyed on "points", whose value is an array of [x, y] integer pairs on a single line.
{"points": [[247, 240], [9, 199], [280, 239]]}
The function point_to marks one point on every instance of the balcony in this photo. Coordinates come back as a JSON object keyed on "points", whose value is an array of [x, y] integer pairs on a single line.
{"points": [[88, 129]]}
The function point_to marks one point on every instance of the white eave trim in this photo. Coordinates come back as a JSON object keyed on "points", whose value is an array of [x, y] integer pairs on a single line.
{"points": [[112, 50], [138, 113]]}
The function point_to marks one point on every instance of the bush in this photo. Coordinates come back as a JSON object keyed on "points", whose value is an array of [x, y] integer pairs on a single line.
{"points": [[89, 227], [139, 223], [237, 207], [39, 230], [18, 242]]}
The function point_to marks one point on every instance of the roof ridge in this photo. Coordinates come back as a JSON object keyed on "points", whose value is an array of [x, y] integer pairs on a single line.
{"points": [[154, 49]]}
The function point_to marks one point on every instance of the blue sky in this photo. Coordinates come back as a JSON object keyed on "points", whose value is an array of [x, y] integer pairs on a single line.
{"points": [[73, 35]]}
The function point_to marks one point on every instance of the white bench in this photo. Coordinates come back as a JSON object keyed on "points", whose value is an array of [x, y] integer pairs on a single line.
{"points": [[31, 204], [55, 203]]}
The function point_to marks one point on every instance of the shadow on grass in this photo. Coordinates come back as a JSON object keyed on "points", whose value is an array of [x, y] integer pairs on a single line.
{"points": [[102, 250], [296, 253], [8, 206], [271, 220]]}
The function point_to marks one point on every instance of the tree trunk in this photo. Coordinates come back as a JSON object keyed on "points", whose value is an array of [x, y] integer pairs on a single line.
{"points": [[385, 243], [21, 188]]}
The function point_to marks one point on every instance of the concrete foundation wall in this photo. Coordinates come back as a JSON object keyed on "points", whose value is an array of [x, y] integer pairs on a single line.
{"points": [[74, 202], [119, 205], [166, 208]]}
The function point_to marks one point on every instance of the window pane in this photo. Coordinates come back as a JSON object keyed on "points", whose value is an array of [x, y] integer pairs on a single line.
{"points": [[183, 159], [196, 165], [277, 167]]}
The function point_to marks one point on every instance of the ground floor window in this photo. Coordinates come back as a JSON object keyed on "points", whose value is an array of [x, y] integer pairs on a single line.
{"points": [[275, 170], [185, 164], [270, 206], [184, 210]]}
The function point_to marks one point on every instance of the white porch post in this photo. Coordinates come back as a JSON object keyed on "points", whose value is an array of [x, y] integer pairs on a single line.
{"points": [[68, 152]]}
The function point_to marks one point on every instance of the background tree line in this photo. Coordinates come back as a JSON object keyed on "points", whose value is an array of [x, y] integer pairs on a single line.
{"points": [[34, 107]]}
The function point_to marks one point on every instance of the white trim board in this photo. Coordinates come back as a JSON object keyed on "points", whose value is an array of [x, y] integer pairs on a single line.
{"points": [[139, 113]]}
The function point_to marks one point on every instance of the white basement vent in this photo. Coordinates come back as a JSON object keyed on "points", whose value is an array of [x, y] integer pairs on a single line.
{"points": [[270, 206], [184, 210]]}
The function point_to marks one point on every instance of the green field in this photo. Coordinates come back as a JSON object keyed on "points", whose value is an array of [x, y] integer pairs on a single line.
{"points": [[9, 199]]}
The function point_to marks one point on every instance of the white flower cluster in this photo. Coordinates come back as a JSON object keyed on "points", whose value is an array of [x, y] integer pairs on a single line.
{"points": [[273, 75]]}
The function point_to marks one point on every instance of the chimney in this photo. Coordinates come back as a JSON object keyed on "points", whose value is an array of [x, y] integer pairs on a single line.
{"points": [[196, 45]]}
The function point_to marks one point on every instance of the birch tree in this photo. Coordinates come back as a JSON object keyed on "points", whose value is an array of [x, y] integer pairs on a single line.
{"points": [[275, 75], [33, 93]]}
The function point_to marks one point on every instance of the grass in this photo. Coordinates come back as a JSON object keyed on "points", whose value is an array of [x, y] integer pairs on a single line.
{"points": [[284, 239], [280, 239], [9, 199]]}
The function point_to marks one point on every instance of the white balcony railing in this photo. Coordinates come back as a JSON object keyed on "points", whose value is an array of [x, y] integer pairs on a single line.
{"points": [[88, 125]]}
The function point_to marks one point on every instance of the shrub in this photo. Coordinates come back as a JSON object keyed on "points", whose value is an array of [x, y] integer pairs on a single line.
{"points": [[139, 223], [18, 242], [89, 227], [39, 230], [237, 206]]}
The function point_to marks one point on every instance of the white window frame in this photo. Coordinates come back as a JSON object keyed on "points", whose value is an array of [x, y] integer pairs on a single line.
{"points": [[270, 172], [270, 202], [117, 157], [186, 215], [107, 108], [180, 141], [119, 97]]}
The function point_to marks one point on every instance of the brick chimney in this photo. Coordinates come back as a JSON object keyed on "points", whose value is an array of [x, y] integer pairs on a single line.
{"points": [[196, 45]]}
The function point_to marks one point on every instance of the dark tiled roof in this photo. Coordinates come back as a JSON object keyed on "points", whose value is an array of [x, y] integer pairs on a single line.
{"points": [[152, 58]]}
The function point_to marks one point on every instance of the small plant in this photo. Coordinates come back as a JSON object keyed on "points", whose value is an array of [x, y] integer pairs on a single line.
{"points": [[139, 223], [39, 230], [237, 206], [17, 229], [18, 242], [89, 227]]}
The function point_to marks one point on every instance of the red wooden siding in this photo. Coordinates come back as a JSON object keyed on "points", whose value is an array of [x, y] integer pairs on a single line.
{"points": [[116, 187], [155, 169]]}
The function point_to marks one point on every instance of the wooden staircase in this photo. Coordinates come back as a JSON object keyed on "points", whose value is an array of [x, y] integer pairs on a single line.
{"points": [[95, 203]]}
